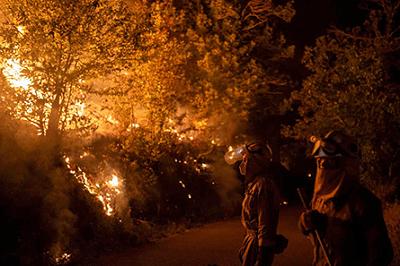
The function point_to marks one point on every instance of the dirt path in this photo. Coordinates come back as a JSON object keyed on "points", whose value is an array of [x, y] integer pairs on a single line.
{"points": [[212, 244]]}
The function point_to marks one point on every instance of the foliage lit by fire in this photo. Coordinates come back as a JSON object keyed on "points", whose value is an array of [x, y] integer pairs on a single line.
{"points": [[116, 114]]}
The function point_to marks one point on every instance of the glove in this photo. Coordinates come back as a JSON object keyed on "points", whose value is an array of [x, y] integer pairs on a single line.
{"points": [[311, 220], [281, 244], [265, 255]]}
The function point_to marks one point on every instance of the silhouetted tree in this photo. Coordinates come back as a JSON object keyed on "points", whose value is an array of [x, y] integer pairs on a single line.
{"points": [[353, 86]]}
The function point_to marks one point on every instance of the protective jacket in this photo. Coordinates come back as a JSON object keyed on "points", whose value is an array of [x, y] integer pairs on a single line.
{"points": [[260, 214], [354, 231]]}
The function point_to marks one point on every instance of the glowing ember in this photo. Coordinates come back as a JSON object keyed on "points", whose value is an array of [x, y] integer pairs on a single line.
{"points": [[181, 136], [63, 259], [182, 184], [204, 165], [189, 196], [133, 126], [27, 108], [83, 155]]}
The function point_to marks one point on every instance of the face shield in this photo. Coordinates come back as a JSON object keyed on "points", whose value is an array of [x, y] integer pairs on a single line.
{"points": [[236, 154], [334, 144], [255, 159], [324, 148]]}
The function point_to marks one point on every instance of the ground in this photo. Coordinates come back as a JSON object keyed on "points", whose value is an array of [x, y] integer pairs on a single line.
{"points": [[214, 244]]}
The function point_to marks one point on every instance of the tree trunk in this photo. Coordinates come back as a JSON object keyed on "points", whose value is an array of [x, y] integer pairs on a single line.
{"points": [[53, 132], [54, 117]]}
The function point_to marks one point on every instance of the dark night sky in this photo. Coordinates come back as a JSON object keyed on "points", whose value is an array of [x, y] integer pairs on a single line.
{"points": [[314, 17]]}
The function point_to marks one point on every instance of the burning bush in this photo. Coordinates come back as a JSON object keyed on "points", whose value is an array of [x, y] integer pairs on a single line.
{"points": [[46, 213]]}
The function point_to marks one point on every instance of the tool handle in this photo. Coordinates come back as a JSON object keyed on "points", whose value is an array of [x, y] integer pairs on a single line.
{"points": [[316, 233]]}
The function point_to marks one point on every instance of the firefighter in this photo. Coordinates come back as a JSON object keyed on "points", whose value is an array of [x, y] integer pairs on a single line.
{"points": [[347, 216], [260, 208]]}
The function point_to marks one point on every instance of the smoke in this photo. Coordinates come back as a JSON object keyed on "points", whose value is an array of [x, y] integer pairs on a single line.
{"points": [[101, 172], [59, 218], [227, 185], [35, 194], [51, 214]]}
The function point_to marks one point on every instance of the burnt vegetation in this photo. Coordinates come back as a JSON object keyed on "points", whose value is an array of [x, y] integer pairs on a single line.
{"points": [[116, 115]]}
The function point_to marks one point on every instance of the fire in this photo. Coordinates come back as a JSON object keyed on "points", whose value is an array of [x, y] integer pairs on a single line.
{"points": [[133, 126], [114, 181], [12, 70], [112, 120], [105, 192], [63, 259], [83, 155], [80, 108], [180, 136], [21, 29]]}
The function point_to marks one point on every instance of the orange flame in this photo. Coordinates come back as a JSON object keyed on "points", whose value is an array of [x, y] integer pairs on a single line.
{"points": [[105, 192]]}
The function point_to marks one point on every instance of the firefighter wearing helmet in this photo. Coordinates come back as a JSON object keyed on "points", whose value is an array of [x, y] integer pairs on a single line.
{"points": [[347, 216], [260, 208]]}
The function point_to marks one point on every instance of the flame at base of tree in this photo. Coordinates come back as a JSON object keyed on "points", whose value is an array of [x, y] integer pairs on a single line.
{"points": [[105, 186]]}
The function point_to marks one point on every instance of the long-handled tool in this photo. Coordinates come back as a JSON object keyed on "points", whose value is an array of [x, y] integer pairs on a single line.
{"points": [[315, 232]]}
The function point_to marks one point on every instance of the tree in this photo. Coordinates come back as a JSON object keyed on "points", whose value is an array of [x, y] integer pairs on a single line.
{"points": [[201, 68], [51, 51], [56, 47], [353, 86], [190, 95]]}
